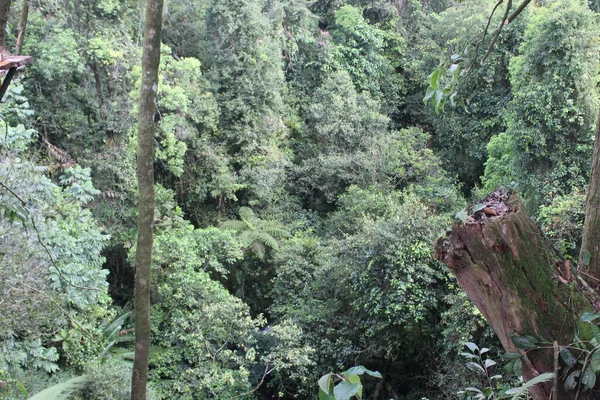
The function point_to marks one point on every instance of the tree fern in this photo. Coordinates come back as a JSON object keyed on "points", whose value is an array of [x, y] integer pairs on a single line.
{"points": [[267, 240], [234, 225], [276, 231], [255, 234]]}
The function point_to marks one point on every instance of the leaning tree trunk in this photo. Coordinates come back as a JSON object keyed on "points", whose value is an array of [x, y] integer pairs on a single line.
{"points": [[145, 173], [22, 26], [517, 280]]}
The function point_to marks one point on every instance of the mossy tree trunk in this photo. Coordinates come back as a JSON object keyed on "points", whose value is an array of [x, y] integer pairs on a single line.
{"points": [[145, 173], [517, 280], [4, 9]]}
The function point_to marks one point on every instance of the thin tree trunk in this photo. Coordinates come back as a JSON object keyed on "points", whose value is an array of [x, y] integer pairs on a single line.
{"points": [[589, 257], [145, 167], [22, 26], [4, 9], [517, 280]]}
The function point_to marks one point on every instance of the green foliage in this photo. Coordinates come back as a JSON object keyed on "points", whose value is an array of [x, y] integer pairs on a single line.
{"points": [[344, 386], [478, 94], [243, 57], [562, 220], [111, 379], [370, 54], [551, 116], [499, 166], [372, 289], [495, 387], [346, 141], [305, 118], [204, 333]]}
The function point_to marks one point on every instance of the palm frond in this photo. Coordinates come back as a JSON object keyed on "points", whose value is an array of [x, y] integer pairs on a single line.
{"points": [[113, 327], [63, 390], [521, 391]]}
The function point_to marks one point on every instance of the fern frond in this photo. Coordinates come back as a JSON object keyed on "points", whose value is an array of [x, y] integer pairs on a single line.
{"points": [[234, 225], [246, 238], [276, 231], [247, 215], [258, 249], [63, 390], [267, 240]]}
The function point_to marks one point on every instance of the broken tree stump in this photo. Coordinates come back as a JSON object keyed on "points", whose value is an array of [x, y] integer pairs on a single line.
{"points": [[516, 279]]}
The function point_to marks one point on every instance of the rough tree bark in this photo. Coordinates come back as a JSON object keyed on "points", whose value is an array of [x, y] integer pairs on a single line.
{"points": [[145, 173], [517, 280], [589, 258]]}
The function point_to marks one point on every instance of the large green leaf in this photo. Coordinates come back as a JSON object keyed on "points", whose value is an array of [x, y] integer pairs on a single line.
{"points": [[567, 357], [267, 240], [589, 317], [276, 231], [359, 370], [588, 379], [325, 396], [355, 379], [524, 342], [325, 383], [345, 390], [595, 361]]}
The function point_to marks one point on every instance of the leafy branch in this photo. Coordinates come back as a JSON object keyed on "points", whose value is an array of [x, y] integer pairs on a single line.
{"points": [[445, 80]]}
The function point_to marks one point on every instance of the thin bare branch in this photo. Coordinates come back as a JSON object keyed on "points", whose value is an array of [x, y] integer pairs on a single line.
{"points": [[485, 31], [498, 31]]}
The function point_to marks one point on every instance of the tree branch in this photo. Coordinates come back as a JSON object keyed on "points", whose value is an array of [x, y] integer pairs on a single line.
{"points": [[498, 31], [518, 11]]}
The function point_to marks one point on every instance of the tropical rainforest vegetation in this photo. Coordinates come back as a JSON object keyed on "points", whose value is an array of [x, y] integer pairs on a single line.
{"points": [[300, 183]]}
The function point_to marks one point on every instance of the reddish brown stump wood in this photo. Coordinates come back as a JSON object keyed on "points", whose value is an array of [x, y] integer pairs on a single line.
{"points": [[513, 275]]}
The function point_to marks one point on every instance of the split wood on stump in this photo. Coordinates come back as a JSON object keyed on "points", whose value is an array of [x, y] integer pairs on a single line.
{"points": [[517, 280]]}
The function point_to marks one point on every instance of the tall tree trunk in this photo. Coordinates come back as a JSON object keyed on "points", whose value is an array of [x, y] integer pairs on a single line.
{"points": [[589, 257], [22, 26], [145, 173], [517, 280], [4, 9]]}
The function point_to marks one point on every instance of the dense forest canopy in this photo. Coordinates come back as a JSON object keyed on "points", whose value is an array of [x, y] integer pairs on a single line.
{"points": [[300, 184]]}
